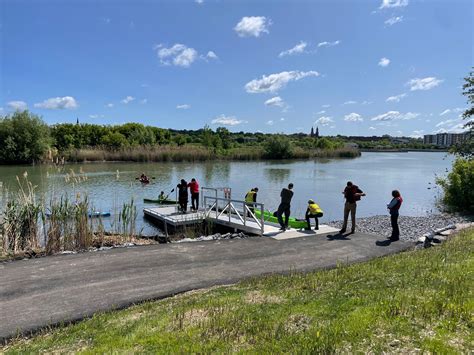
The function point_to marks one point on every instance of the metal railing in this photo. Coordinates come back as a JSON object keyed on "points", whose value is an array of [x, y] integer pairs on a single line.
{"points": [[218, 207]]}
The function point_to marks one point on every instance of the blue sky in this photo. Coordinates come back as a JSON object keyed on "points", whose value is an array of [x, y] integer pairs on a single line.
{"points": [[350, 67]]}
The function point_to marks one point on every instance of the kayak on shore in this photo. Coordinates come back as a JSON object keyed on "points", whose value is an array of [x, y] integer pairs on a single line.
{"points": [[160, 202], [292, 222]]}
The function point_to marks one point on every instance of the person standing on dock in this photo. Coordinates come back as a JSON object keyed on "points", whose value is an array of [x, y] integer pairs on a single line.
{"points": [[250, 199], [183, 195], [286, 195], [194, 189], [352, 194], [393, 207]]}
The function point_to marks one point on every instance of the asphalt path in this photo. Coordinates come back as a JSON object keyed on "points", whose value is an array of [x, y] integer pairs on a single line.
{"points": [[58, 289]]}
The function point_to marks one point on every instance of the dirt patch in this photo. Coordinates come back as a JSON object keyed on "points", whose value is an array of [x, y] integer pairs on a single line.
{"points": [[257, 297], [195, 317], [297, 323]]}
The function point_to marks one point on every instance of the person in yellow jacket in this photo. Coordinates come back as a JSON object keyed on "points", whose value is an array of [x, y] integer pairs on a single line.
{"points": [[250, 198], [313, 211]]}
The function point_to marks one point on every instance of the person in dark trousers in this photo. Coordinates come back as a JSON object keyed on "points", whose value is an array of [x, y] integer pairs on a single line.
{"points": [[194, 188], [250, 199], [393, 208], [286, 194], [183, 195], [313, 211], [352, 194]]}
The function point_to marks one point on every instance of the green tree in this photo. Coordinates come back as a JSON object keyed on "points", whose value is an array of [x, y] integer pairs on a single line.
{"points": [[466, 149], [459, 186], [278, 147], [26, 138], [206, 136], [114, 140]]}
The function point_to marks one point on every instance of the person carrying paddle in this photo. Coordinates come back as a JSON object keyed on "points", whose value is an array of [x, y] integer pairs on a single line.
{"points": [[183, 195], [162, 196], [286, 195], [194, 188], [250, 199], [313, 211], [352, 194]]}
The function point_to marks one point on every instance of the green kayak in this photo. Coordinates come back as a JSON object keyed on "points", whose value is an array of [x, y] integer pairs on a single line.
{"points": [[293, 222], [160, 202]]}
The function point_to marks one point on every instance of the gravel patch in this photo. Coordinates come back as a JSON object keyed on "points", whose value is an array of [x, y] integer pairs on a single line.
{"points": [[411, 228]]}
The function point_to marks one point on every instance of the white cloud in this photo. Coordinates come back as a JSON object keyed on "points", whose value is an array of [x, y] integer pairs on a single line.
{"points": [[350, 102], [444, 123], [353, 117], [324, 121], [372, 128], [211, 55], [384, 62], [200, 2], [179, 55], [423, 83], [454, 110], [252, 26], [366, 102], [110, 105], [299, 48], [321, 112], [387, 4], [270, 123], [395, 115], [58, 103], [393, 20], [274, 82], [17, 105], [183, 107], [282, 119], [328, 44], [396, 98], [275, 101], [128, 99], [144, 101], [325, 106], [96, 116], [227, 120]]}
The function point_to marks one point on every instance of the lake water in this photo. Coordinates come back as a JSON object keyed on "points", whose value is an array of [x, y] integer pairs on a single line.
{"points": [[108, 185]]}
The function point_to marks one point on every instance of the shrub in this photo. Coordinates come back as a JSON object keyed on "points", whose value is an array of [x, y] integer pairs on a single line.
{"points": [[459, 186], [278, 147]]}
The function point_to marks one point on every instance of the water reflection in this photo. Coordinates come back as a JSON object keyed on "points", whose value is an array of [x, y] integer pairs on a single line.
{"points": [[280, 176]]}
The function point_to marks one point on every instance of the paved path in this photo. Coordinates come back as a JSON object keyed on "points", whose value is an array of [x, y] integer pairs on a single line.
{"points": [[46, 291]]}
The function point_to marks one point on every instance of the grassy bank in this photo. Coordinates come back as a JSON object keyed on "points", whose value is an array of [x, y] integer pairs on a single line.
{"points": [[196, 153], [414, 301]]}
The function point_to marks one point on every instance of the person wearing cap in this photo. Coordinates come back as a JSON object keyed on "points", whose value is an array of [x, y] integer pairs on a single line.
{"points": [[313, 211], [250, 199]]}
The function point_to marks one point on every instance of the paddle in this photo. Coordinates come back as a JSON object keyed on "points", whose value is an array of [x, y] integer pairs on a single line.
{"points": [[169, 194], [137, 178]]}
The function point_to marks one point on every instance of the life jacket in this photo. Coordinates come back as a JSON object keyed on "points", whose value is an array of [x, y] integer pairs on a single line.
{"points": [[249, 196], [350, 193], [314, 208]]}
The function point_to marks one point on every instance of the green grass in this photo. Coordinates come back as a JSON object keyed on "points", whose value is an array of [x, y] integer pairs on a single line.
{"points": [[414, 300]]}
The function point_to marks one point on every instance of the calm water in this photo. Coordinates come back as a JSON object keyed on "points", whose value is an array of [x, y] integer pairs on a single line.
{"points": [[108, 185]]}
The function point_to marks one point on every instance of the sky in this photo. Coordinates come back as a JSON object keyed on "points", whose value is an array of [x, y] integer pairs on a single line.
{"points": [[361, 67]]}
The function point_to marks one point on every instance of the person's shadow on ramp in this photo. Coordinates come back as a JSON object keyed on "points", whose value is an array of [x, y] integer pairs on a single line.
{"points": [[338, 236]]}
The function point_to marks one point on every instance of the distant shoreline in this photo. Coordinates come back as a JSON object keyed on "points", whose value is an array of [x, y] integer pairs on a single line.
{"points": [[403, 150]]}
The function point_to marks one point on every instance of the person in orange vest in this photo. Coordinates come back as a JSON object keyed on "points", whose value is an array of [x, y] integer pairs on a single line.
{"points": [[313, 211]]}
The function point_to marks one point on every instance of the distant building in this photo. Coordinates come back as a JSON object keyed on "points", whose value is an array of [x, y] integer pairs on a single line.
{"points": [[313, 134], [446, 139]]}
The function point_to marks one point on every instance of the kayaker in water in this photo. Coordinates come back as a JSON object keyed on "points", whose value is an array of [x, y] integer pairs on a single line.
{"points": [[286, 195], [183, 195], [250, 199], [194, 188], [313, 211], [161, 196], [144, 179]]}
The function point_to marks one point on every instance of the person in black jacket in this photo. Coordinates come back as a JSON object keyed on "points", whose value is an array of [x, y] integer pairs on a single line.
{"points": [[394, 207], [352, 194], [286, 195], [183, 195]]}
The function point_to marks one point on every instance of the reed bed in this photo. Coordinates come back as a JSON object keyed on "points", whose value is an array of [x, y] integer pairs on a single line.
{"points": [[195, 153], [29, 226]]}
